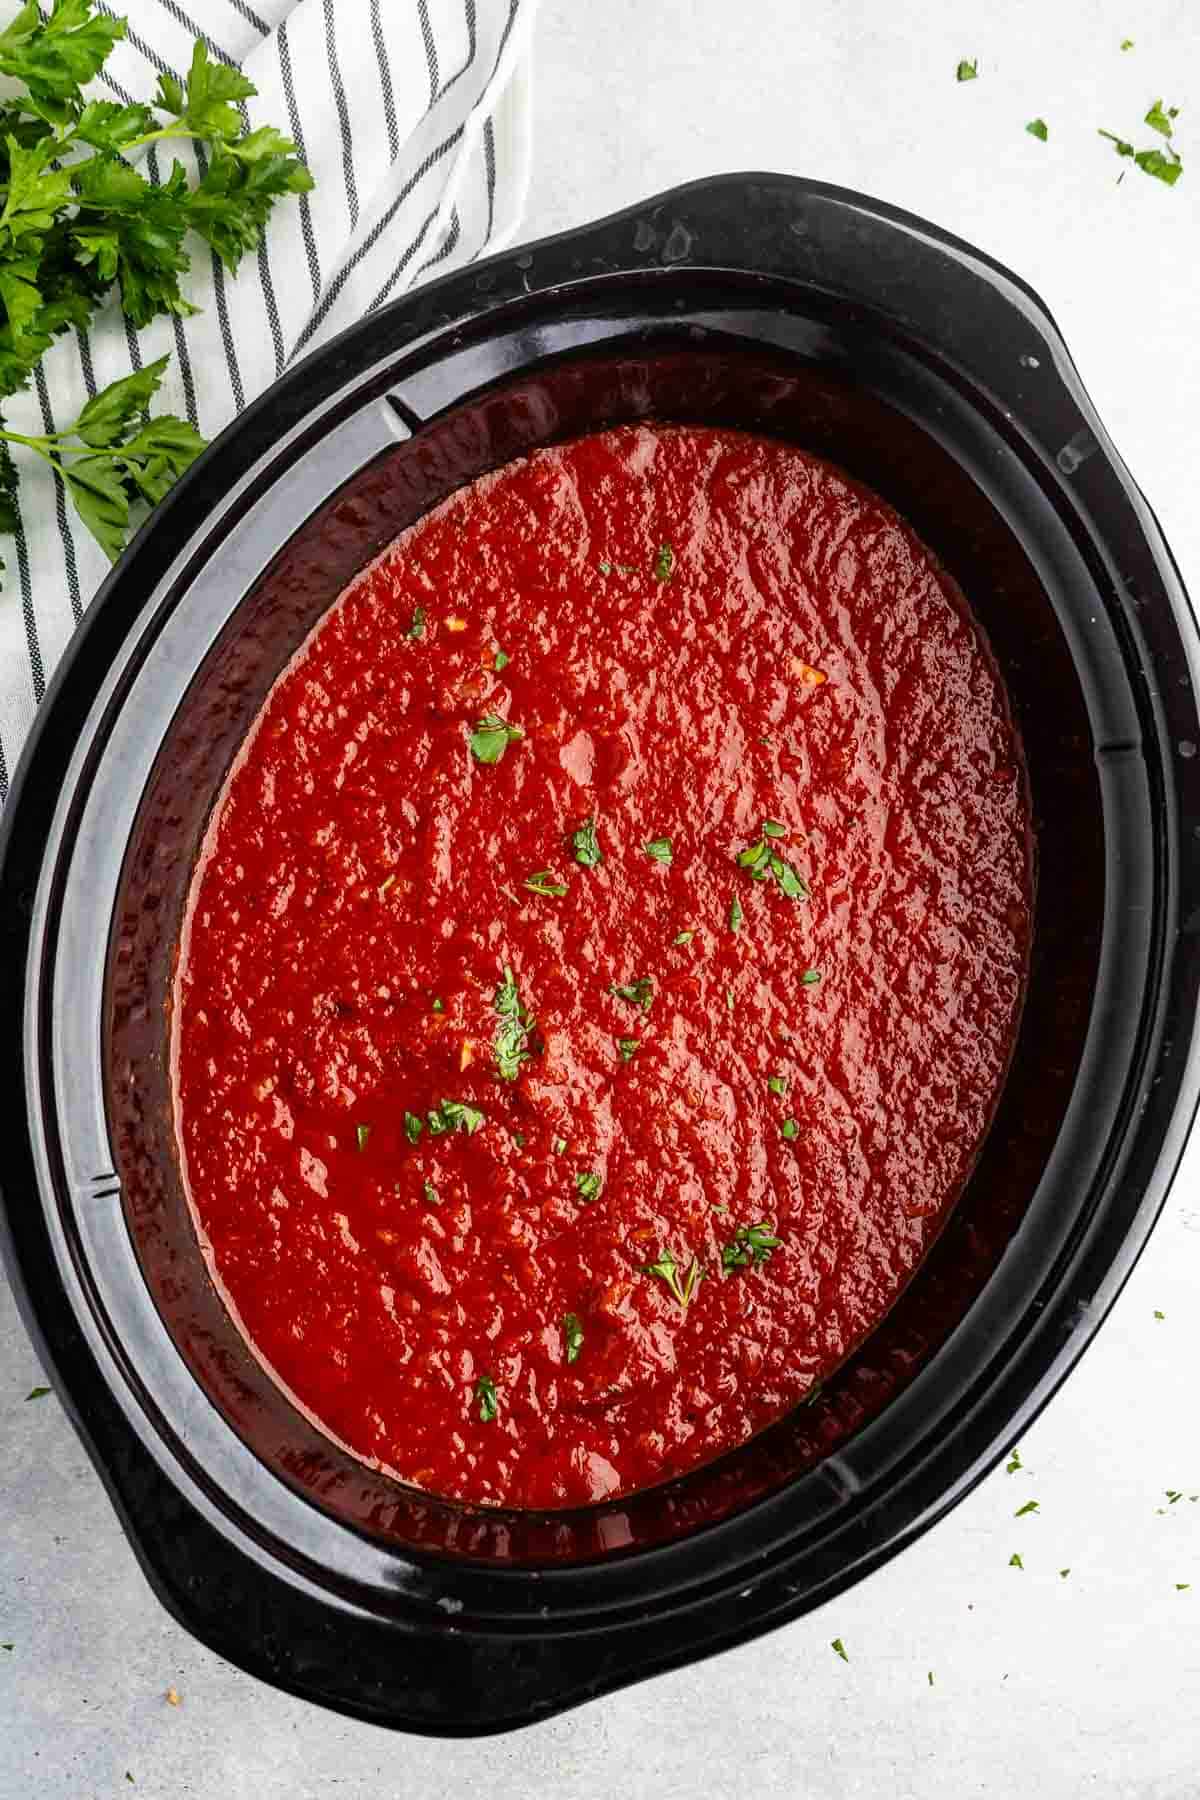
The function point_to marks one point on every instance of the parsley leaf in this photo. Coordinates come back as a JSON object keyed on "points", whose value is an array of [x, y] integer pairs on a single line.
{"points": [[586, 845], [765, 864], [545, 882], [776, 1084], [588, 1183], [491, 738], [638, 993], [413, 1127], [736, 915], [667, 1270], [362, 1135], [416, 630], [752, 1245], [38, 1393], [431, 1193], [664, 563], [510, 1047], [1162, 119], [573, 1334], [659, 849], [1030, 1506], [1168, 167], [1014, 1561], [485, 1393], [454, 1115], [684, 937], [1038, 128], [967, 71], [790, 1130], [627, 1047], [1014, 1464], [840, 1649]]}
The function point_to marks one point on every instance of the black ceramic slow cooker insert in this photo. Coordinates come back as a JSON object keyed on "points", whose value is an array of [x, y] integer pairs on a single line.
{"points": [[935, 376]]}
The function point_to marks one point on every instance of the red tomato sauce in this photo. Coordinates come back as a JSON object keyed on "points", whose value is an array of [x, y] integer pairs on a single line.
{"points": [[537, 1178]]}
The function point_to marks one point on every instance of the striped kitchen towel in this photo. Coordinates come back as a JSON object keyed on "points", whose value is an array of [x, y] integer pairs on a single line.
{"points": [[413, 116]]}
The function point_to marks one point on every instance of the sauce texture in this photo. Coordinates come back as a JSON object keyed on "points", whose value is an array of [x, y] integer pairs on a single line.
{"points": [[602, 966]]}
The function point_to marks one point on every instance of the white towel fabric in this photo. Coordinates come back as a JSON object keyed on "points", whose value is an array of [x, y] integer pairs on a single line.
{"points": [[412, 116]]}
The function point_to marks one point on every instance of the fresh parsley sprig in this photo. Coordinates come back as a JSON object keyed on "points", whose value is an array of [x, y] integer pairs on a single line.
{"points": [[682, 1287], [77, 218]]}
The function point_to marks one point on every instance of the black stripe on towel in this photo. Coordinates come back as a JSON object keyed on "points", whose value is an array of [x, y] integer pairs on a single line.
{"points": [[339, 100], [60, 500], [385, 82], [294, 126], [431, 56], [37, 672]]}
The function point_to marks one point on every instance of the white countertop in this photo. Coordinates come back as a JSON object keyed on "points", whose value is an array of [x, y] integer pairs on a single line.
{"points": [[1061, 1686]]}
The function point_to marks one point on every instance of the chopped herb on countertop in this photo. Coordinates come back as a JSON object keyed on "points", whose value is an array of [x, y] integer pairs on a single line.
{"points": [[1014, 1561], [492, 736], [485, 1393], [1161, 119], [967, 71], [1014, 1463], [1030, 1506], [1038, 128], [38, 1393], [667, 1270], [839, 1648], [586, 845]]}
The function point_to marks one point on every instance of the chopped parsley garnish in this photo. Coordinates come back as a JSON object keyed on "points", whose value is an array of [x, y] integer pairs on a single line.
{"points": [[38, 1393], [1127, 43], [659, 849], [586, 845], [1014, 1561], [605, 568], [752, 1245], [455, 1115], [627, 1047], [790, 1130], [1181, 1587], [1014, 1463], [1173, 1494], [431, 1194], [491, 738], [967, 71], [573, 1333], [510, 1046], [362, 1135], [385, 886], [776, 1084], [417, 628], [764, 863], [588, 1183], [559, 1146], [638, 993], [810, 978], [685, 937], [839, 1649], [1162, 119], [413, 1127], [1030, 1506], [1163, 165], [501, 660], [1159, 1315], [438, 1005], [519, 1139], [485, 1393], [736, 915], [545, 881], [1063, 1573], [1038, 128], [667, 1270], [664, 563], [730, 1002]]}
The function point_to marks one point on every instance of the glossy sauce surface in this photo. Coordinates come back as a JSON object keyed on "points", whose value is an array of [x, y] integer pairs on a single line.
{"points": [[502, 1230]]}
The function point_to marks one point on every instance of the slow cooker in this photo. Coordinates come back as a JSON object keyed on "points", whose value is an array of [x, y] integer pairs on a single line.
{"points": [[783, 307]]}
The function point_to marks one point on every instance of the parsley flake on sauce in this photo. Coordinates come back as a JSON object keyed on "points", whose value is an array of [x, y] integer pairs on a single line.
{"points": [[413, 1127], [438, 1005], [736, 915], [667, 1269], [586, 845], [839, 1648], [1038, 128], [776, 1084], [417, 628], [431, 1194], [685, 937], [967, 71], [492, 736], [766, 864], [752, 1246], [485, 1393], [664, 563], [362, 1135], [455, 1115], [501, 660], [510, 1046], [810, 978], [638, 993], [627, 1047], [659, 849], [573, 1334], [790, 1130], [545, 882], [588, 1183], [559, 1146]]}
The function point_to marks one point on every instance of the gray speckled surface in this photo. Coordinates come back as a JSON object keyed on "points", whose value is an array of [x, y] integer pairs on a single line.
{"points": [[1081, 1685]]}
